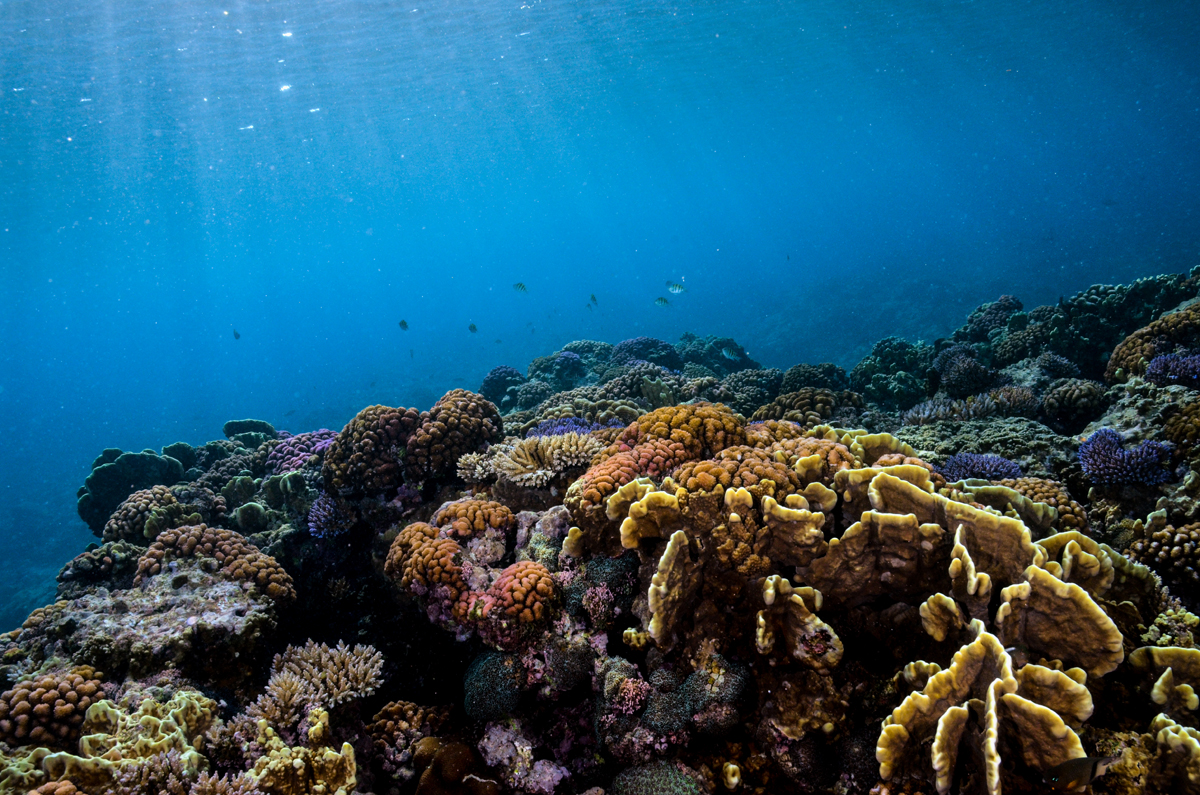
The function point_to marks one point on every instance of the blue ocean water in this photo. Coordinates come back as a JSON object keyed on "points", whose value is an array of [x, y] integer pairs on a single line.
{"points": [[817, 174]]}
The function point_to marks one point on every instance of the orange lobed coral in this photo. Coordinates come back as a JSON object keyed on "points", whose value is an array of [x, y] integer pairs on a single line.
{"points": [[738, 467], [420, 556], [585, 498], [468, 518], [768, 432], [704, 429], [238, 557], [365, 456], [523, 592], [49, 710]]}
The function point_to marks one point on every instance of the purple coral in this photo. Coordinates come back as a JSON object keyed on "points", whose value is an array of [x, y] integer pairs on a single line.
{"points": [[295, 451], [1174, 368], [1106, 462], [961, 374], [328, 517], [567, 425], [964, 466]]}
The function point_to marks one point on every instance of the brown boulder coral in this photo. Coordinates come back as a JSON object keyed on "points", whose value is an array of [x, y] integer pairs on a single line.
{"points": [[366, 457], [460, 422]]}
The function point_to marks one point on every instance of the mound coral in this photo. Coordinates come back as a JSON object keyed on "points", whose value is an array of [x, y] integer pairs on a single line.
{"points": [[498, 382], [460, 422], [960, 373], [49, 710], [817, 376], [298, 451], [646, 349], [468, 518], [235, 556], [128, 521], [428, 565], [1071, 403], [806, 406], [1134, 354], [366, 456], [395, 731]]}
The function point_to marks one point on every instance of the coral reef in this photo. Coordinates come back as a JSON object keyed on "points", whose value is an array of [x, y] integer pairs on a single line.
{"points": [[656, 568]]}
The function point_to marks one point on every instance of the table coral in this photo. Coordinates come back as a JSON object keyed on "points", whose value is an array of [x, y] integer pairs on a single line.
{"points": [[962, 466], [536, 461], [115, 475], [1174, 368]]}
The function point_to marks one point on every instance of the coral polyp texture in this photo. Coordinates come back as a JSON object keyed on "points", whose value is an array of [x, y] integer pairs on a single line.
{"points": [[966, 565], [368, 455]]}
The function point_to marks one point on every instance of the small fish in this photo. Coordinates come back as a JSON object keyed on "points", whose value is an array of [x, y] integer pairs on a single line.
{"points": [[1075, 773], [290, 413], [471, 328], [594, 301], [404, 325], [588, 307], [499, 341], [730, 353], [236, 336], [789, 256], [410, 353], [674, 288], [660, 301], [520, 287]]}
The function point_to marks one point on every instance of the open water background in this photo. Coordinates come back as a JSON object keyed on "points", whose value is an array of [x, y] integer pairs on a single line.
{"points": [[817, 174]]}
